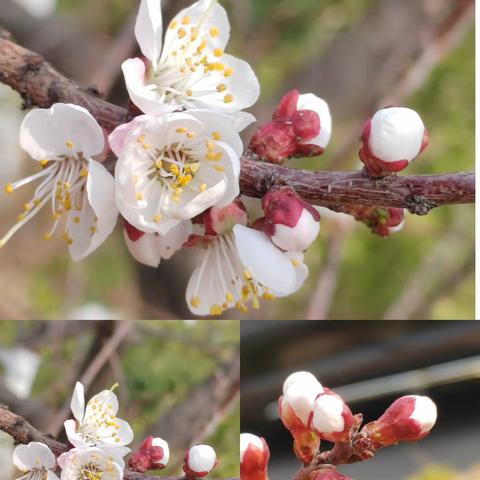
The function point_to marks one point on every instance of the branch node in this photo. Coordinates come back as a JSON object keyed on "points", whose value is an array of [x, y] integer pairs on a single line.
{"points": [[419, 205]]}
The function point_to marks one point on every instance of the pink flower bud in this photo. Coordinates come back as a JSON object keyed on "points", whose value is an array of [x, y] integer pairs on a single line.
{"points": [[329, 474], [332, 419], [199, 461], [291, 222], [296, 410], [391, 139], [301, 126], [153, 454], [408, 419], [254, 457], [218, 221], [381, 221]]}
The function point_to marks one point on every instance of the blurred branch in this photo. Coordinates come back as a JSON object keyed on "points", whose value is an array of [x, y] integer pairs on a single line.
{"points": [[40, 84], [22, 432]]}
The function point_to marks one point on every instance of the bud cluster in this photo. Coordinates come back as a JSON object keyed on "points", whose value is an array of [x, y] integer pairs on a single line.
{"points": [[381, 221]]}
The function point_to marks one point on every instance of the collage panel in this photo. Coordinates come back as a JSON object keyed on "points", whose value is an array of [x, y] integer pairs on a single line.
{"points": [[416, 384], [110, 400]]}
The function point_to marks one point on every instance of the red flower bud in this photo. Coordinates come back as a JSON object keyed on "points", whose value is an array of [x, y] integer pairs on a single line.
{"points": [[391, 139], [153, 454], [275, 142], [254, 457], [329, 474], [291, 222], [382, 221], [408, 419], [199, 461]]}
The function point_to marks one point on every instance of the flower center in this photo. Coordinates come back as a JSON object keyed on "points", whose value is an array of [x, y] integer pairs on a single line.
{"points": [[37, 474], [90, 471], [63, 185], [100, 423]]}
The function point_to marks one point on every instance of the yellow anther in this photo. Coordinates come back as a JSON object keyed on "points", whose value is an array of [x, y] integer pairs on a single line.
{"points": [[181, 130], [157, 218], [216, 310], [159, 164], [218, 52], [66, 185], [214, 32], [27, 207], [211, 156], [69, 144], [228, 72], [189, 93], [84, 173], [194, 34], [230, 297], [219, 67], [247, 274], [210, 145], [195, 302], [219, 168], [191, 135], [176, 198], [194, 167], [228, 98], [139, 196], [20, 217], [203, 187], [93, 230], [221, 88], [202, 46], [36, 202], [216, 136], [56, 216], [141, 139], [218, 156], [47, 236], [268, 296], [146, 146], [182, 33], [76, 220], [174, 169], [211, 67], [173, 25], [9, 188], [295, 262], [43, 162], [178, 191], [186, 20]]}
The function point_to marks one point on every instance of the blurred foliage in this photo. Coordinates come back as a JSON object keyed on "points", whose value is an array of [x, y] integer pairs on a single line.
{"points": [[161, 363], [439, 472]]}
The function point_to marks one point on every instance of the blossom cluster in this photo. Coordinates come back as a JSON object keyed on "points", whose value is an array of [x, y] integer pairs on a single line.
{"points": [[314, 413], [176, 179], [100, 442]]}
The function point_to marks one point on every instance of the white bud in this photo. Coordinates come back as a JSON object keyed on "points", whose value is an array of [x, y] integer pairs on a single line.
{"points": [[159, 442], [309, 101], [299, 237], [305, 377], [396, 134], [425, 413], [328, 414], [301, 398], [247, 439], [201, 458]]}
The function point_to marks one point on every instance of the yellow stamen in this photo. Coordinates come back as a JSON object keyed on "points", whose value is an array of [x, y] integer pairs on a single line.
{"points": [[220, 168], [182, 33], [173, 25], [69, 144], [9, 188], [181, 130], [216, 136], [228, 72], [218, 52], [157, 218], [221, 88], [203, 187], [43, 162], [228, 98], [186, 20], [195, 302], [139, 196], [214, 32]]}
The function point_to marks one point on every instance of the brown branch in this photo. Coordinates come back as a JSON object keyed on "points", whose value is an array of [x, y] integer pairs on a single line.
{"points": [[22, 432], [40, 84]]}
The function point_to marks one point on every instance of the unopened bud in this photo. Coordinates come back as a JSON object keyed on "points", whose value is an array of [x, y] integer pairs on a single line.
{"points": [[199, 461], [391, 139], [153, 454], [291, 222], [219, 221], [330, 474], [254, 457], [408, 419]]}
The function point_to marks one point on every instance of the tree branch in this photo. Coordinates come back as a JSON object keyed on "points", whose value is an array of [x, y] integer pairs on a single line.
{"points": [[22, 432], [40, 84]]}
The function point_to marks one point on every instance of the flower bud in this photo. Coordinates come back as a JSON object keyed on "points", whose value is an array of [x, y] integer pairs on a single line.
{"points": [[391, 139], [254, 457], [153, 454], [296, 409], [408, 419], [332, 419], [199, 461], [381, 221], [291, 222], [301, 126], [219, 221]]}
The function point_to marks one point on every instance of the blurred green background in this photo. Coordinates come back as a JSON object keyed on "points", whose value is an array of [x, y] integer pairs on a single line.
{"points": [[358, 55], [177, 380]]}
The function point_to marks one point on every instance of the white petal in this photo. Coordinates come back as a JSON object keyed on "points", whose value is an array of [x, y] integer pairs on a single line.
{"points": [[231, 162], [301, 270], [266, 262], [247, 439], [159, 442], [299, 237], [102, 400], [144, 250], [148, 29], [205, 15], [396, 134], [304, 378], [78, 402], [309, 101], [51, 475], [173, 241], [201, 458], [143, 93], [327, 414], [223, 124], [301, 397], [64, 129], [101, 197], [73, 436], [425, 413], [242, 120], [35, 454], [118, 137]]}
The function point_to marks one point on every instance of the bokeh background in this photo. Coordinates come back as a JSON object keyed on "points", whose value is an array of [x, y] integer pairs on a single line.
{"points": [[370, 364], [177, 379], [358, 55]]}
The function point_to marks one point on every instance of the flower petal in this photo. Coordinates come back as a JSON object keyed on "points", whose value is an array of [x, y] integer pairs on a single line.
{"points": [[173, 241], [77, 404], [148, 29], [142, 93], [73, 436], [101, 198], [242, 120], [35, 454], [309, 101], [64, 129], [268, 265], [231, 164], [144, 250], [301, 269], [211, 20]]}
